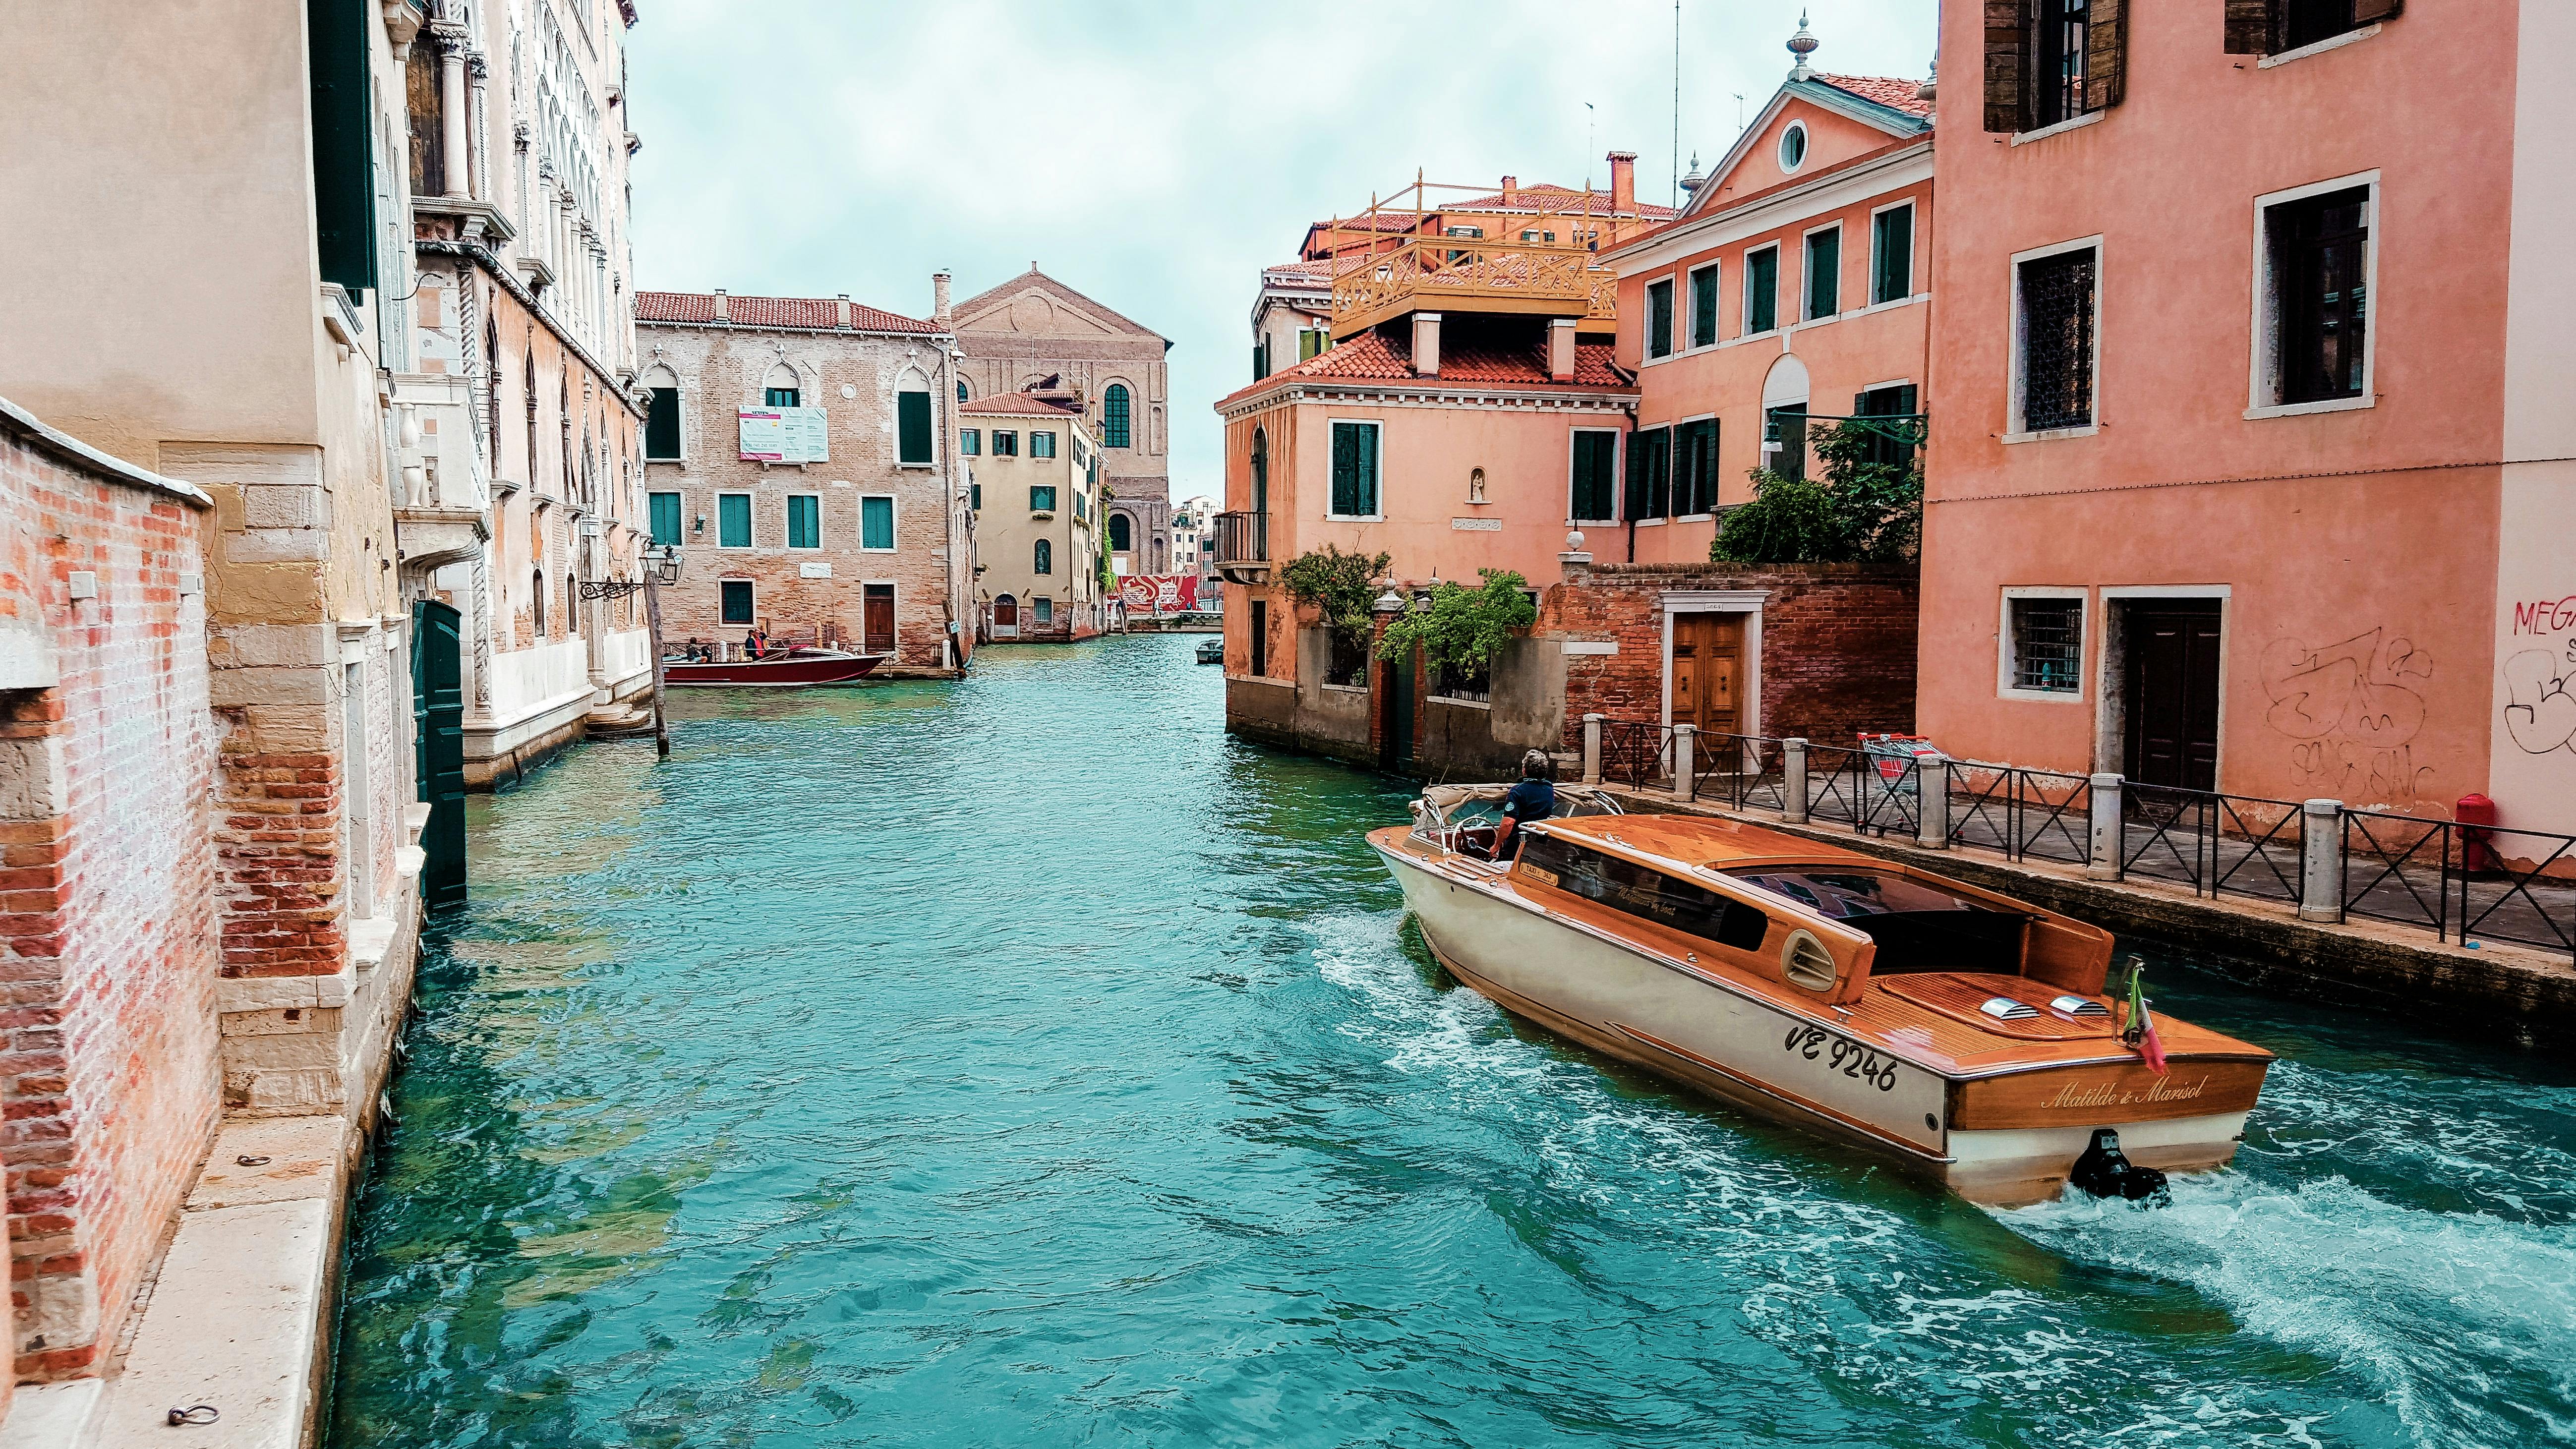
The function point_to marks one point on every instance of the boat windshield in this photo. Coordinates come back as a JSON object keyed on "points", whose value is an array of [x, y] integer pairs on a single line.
{"points": [[1918, 925]]}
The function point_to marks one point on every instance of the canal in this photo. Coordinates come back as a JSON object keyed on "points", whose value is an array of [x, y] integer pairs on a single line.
{"points": [[1023, 1061]]}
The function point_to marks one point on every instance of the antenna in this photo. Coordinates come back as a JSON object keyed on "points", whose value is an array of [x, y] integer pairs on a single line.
{"points": [[1588, 118], [1739, 112]]}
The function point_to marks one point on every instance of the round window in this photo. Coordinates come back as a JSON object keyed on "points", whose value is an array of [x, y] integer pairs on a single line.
{"points": [[1793, 146]]}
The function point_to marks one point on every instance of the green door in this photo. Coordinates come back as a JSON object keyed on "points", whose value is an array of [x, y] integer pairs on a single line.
{"points": [[438, 729]]}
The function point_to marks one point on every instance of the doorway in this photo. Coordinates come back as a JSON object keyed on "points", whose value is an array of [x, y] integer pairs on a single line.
{"points": [[1258, 638], [1395, 753], [1708, 672], [2169, 692], [876, 619], [438, 740], [1006, 617]]}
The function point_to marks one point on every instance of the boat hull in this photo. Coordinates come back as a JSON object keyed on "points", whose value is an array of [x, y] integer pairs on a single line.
{"points": [[805, 669], [1693, 1028]]}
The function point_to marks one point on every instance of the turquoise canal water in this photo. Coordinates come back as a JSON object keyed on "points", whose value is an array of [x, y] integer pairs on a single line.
{"points": [[1021, 1061]]}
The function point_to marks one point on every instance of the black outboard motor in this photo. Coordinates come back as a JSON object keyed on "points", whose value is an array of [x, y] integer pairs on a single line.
{"points": [[2105, 1171]]}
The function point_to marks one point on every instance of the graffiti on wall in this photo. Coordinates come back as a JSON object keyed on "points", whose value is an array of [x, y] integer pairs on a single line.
{"points": [[2540, 684], [2351, 712]]}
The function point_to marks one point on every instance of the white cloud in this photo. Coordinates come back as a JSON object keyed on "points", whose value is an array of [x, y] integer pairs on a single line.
{"points": [[1155, 156]]}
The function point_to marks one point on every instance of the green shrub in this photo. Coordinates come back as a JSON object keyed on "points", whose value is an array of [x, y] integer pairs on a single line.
{"points": [[1463, 627], [1864, 509]]}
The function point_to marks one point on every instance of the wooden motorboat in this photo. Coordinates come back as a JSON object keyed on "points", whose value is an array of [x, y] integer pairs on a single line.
{"points": [[1962, 1033], [784, 669], [1211, 651]]}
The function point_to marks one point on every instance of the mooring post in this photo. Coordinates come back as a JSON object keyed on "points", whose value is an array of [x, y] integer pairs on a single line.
{"points": [[2105, 864], [2321, 864], [1682, 762], [1592, 749], [1793, 781], [1932, 797]]}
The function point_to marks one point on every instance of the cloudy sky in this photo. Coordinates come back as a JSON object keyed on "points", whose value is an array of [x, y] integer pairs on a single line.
{"points": [[1156, 155]]}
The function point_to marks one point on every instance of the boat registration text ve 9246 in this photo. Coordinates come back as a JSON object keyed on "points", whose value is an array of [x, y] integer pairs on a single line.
{"points": [[1842, 1054]]}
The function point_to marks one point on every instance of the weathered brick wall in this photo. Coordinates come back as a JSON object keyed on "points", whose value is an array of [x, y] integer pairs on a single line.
{"points": [[108, 1026], [1838, 643]]}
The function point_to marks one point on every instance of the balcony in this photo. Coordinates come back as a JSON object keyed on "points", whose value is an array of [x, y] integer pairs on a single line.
{"points": [[1428, 249], [1243, 547]]}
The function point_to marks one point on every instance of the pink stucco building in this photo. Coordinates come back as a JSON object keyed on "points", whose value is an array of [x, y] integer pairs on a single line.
{"points": [[2251, 465]]}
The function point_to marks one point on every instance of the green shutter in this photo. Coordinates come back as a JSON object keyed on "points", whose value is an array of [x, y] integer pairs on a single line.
{"points": [[1310, 343], [1355, 469], [1659, 319], [1892, 269], [733, 520], [344, 150], [736, 597], [804, 521], [1761, 290], [662, 424], [975, 497], [912, 427], [1824, 274], [876, 523], [666, 519], [1593, 499], [1703, 307]]}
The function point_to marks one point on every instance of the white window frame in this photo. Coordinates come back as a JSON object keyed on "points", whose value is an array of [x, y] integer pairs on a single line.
{"points": [[650, 493], [1618, 456], [679, 400], [1646, 338], [995, 435], [1717, 324], [1330, 516], [2007, 663], [895, 511], [2015, 430], [721, 621], [976, 433], [787, 524], [2110, 710], [2263, 367], [1806, 147], [1806, 240], [1914, 259], [1744, 317], [1037, 433], [751, 505]]}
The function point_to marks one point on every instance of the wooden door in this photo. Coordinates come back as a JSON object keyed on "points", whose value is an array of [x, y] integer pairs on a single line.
{"points": [[1006, 617], [876, 619], [2170, 693], [1708, 672], [438, 722]]}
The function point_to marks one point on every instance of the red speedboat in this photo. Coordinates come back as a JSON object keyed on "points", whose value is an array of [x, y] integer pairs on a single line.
{"points": [[783, 669]]}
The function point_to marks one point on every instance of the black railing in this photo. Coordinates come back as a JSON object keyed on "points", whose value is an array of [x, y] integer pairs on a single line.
{"points": [[1873, 794], [2021, 814], [1633, 753], [2211, 842], [1242, 538], [2532, 902], [1739, 770]]}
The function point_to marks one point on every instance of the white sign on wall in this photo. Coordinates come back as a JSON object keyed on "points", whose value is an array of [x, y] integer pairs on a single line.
{"points": [[783, 435]]}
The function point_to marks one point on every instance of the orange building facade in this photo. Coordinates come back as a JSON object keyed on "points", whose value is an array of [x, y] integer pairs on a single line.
{"points": [[2251, 468]]}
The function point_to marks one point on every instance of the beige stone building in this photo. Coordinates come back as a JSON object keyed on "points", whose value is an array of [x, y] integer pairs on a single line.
{"points": [[1035, 476], [522, 390], [1034, 332], [797, 451], [259, 373]]}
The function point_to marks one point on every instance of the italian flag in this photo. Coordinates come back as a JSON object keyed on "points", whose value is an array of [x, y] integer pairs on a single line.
{"points": [[2141, 1032]]}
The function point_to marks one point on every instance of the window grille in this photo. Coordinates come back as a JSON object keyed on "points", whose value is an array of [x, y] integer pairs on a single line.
{"points": [[2048, 644], [1113, 416], [2057, 309]]}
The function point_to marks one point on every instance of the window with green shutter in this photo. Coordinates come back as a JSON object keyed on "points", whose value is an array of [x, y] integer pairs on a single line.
{"points": [[1041, 444], [666, 520], [1824, 273], [783, 397], [975, 497], [1650, 472], [912, 426], [876, 521], [342, 97], [1659, 318], [1113, 417], [1887, 402], [1891, 262], [662, 426], [1311, 342], [1593, 495], [1042, 498], [1695, 467], [1355, 457], [1703, 307], [1761, 290], [733, 520], [737, 602], [971, 443], [804, 520]]}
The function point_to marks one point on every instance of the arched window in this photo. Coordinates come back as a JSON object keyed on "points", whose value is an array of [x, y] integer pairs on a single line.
{"points": [[572, 604], [1045, 561], [1121, 535], [1113, 416], [961, 389], [1260, 471], [537, 591]]}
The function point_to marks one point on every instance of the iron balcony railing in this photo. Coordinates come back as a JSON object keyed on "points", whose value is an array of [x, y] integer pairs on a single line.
{"points": [[1242, 538]]}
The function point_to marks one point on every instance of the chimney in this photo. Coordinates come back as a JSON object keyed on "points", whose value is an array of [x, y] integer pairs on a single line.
{"points": [[1623, 182], [722, 315], [1560, 348], [1511, 189], [1426, 344], [939, 311], [844, 323]]}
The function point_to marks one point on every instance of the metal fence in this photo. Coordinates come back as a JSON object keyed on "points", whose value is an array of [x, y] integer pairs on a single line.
{"points": [[2462, 882], [2022, 814], [1872, 794], [2216, 844], [1739, 771]]}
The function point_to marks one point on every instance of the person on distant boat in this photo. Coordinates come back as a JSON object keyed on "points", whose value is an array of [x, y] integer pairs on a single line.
{"points": [[756, 643], [1532, 800]]}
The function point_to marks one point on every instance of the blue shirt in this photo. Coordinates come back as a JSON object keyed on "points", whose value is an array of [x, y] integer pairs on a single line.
{"points": [[1530, 801]]}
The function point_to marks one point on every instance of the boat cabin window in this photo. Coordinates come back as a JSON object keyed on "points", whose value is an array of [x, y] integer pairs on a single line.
{"points": [[1647, 894], [1918, 925]]}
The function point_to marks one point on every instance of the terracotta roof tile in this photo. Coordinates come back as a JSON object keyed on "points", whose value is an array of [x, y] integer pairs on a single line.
{"points": [[1894, 92], [820, 314], [1017, 405], [1546, 197], [1379, 357]]}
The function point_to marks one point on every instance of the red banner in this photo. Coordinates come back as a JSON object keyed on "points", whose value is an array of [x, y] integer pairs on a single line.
{"points": [[1159, 593]]}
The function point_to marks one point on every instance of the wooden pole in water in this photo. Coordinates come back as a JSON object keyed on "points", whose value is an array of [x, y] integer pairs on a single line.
{"points": [[653, 627]]}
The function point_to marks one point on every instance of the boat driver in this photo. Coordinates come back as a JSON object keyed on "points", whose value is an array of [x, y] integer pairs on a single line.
{"points": [[1532, 800]]}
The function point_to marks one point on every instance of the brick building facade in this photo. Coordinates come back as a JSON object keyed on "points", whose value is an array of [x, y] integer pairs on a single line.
{"points": [[867, 545], [109, 1073]]}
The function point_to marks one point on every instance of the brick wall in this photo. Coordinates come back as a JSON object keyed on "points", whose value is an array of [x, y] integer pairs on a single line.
{"points": [[1838, 643], [108, 1026]]}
